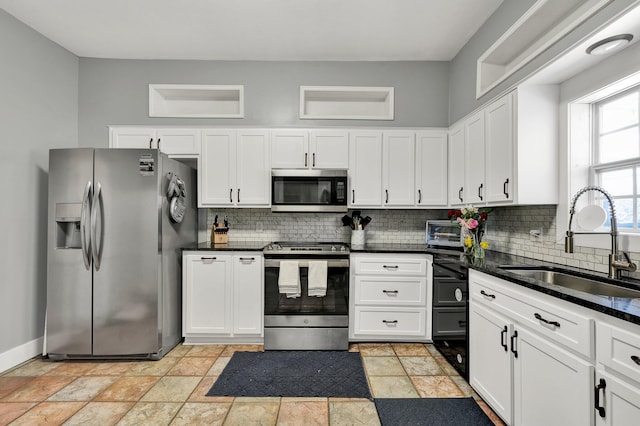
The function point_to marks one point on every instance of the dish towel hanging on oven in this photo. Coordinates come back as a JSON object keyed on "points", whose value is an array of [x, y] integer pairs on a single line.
{"points": [[318, 278], [289, 278]]}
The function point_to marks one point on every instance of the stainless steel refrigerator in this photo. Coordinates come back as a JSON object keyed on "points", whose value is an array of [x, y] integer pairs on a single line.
{"points": [[117, 221]]}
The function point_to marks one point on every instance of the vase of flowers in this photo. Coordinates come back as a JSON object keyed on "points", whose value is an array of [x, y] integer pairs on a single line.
{"points": [[472, 221]]}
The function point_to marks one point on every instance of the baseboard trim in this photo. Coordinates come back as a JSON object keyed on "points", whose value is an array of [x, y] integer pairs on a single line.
{"points": [[20, 354]]}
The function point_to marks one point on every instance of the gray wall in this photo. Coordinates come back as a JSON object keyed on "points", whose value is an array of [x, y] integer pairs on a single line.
{"points": [[462, 96], [115, 92], [38, 110]]}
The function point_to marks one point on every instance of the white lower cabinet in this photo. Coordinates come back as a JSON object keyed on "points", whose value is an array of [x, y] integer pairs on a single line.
{"points": [[617, 403], [526, 377], [222, 297], [391, 297]]}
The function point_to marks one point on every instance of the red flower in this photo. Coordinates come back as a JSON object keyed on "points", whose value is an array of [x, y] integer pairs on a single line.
{"points": [[450, 213], [483, 216]]}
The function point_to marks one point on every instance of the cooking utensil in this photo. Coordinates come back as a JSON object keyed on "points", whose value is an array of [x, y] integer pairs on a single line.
{"points": [[365, 221], [347, 221]]}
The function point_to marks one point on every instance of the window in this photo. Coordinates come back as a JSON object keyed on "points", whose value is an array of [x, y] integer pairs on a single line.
{"points": [[616, 166]]}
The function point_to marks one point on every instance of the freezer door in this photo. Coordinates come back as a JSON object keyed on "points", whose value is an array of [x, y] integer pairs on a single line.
{"points": [[125, 227], [68, 262]]}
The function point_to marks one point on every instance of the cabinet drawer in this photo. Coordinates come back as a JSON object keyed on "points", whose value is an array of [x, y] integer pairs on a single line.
{"points": [[390, 291], [543, 314], [449, 322], [619, 350], [391, 266], [388, 322]]}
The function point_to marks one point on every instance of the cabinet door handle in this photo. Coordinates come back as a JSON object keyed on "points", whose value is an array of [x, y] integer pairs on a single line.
{"points": [[313, 160], [514, 339], [546, 321], [390, 291], [205, 258], [158, 143], [485, 294], [419, 196], [480, 191], [231, 195], [386, 191], [390, 266], [390, 321], [503, 339], [238, 194], [150, 143], [247, 259], [460, 193], [636, 359], [306, 156], [601, 385], [505, 189], [353, 196]]}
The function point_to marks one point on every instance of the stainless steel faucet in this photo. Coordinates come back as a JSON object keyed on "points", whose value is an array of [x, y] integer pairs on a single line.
{"points": [[616, 263]]}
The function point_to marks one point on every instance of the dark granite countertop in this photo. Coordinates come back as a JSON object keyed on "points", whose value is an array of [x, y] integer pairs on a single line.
{"points": [[389, 248], [230, 246], [627, 309]]}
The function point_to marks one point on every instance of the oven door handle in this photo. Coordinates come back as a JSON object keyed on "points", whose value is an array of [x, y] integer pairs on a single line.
{"points": [[304, 263]]}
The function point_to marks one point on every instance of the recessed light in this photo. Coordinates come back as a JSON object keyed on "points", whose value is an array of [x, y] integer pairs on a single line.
{"points": [[609, 44]]}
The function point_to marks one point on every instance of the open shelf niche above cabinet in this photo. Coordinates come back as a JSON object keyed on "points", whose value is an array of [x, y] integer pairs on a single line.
{"points": [[546, 22], [196, 101], [346, 103]]}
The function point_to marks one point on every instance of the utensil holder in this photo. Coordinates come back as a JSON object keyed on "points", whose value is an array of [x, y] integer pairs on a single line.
{"points": [[357, 238]]}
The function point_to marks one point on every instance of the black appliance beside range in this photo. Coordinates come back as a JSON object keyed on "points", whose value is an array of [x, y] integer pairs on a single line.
{"points": [[450, 305], [451, 310], [307, 322]]}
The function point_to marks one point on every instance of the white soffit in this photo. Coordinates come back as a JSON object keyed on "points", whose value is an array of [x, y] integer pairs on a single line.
{"points": [[349, 30]]}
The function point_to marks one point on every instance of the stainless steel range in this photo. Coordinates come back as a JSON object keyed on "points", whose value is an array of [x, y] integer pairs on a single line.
{"points": [[315, 315]]}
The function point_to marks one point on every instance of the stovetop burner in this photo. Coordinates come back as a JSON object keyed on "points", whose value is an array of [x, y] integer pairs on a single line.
{"points": [[324, 248]]}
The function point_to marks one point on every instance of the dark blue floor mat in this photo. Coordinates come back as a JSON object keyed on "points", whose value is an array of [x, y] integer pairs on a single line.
{"points": [[431, 412], [293, 374]]}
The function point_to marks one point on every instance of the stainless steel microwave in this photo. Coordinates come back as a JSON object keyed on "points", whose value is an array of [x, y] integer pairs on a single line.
{"points": [[444, 233], [308, 190]]}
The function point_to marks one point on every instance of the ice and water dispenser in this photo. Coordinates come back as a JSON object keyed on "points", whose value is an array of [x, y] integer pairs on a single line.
{"points": [[68, 225]]}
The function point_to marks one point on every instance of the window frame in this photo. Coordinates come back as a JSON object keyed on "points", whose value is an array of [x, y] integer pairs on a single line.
{"points": [[596, 167]]}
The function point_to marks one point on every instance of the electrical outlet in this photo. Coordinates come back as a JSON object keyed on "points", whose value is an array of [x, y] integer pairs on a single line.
{"points": [[535, 234]]}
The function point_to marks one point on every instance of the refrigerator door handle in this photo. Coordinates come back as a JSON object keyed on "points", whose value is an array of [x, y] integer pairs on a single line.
{"points": [[95, 245], [85, 245]]}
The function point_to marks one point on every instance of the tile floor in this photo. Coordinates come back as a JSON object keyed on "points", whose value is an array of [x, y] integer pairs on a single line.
{"points": [[171, 391]]}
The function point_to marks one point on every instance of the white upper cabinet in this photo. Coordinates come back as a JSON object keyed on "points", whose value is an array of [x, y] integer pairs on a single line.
{"points": [[398, 175], [499, 150], [172, 141], [474, 159], [329, 149], [316, 149], [510, 151], [431, 168], [234, 169], [365, 168], [290, 149], [456, 173]]}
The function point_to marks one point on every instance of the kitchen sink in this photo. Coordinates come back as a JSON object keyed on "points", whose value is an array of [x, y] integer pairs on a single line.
{"points": [[568, 279]]}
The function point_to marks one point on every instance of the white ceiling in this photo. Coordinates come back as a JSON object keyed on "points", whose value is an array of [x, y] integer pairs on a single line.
{"points": [[358, 30]]}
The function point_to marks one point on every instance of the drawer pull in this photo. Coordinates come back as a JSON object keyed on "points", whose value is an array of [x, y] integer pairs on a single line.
{"points": [[390, 266], [503, 339], [485, 294], [635, 359], [546, 321], [602, 385], [207, 258], [390, 291], [247, 259], [390, 321], [514, 349]]}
